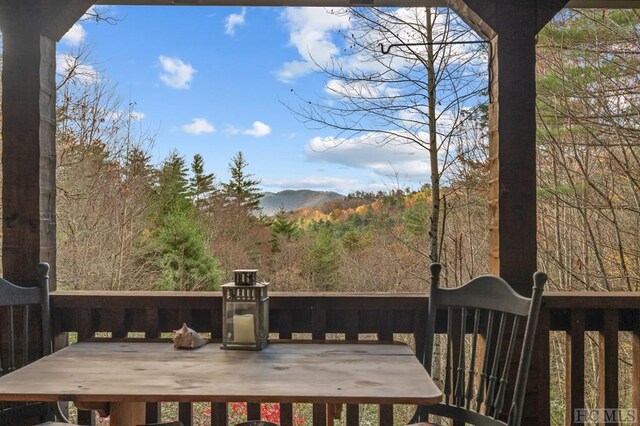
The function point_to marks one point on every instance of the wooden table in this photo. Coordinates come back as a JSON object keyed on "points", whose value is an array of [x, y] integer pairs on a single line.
{"points": [[126, 375]]}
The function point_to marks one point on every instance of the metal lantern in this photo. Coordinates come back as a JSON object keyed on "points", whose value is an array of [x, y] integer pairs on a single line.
{"points": [[245, 310]]}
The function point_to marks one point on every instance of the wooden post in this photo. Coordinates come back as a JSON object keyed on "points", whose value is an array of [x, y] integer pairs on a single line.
{"points": [[28, 148], [574, 366], [30, 29], [511, 27]]}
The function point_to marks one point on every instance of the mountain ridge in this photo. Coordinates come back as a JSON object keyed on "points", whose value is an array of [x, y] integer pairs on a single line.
{"points": [[294, 199]]}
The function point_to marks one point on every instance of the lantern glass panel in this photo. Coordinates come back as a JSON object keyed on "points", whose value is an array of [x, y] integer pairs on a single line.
{"points": [[241, 322], [265, 316], [245, 316]]}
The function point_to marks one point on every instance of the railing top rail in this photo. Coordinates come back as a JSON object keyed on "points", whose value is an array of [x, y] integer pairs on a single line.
{"points": [[402, 301]]}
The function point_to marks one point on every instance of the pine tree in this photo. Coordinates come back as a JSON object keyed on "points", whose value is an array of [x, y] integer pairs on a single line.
{"points": [[172, 190], [283, 227], [138, 166], [323, 260], [202, 184], [241, 189], [176, 249], [181, 254]]}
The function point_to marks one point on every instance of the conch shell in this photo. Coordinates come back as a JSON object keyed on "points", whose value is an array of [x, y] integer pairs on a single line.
{"points": [[187, 338]]}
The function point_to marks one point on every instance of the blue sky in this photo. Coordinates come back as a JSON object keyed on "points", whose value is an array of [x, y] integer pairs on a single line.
{"points": [[212, 80]]}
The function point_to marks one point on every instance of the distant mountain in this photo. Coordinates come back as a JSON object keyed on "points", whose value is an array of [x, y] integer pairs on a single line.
{"points": [[289, 199]]}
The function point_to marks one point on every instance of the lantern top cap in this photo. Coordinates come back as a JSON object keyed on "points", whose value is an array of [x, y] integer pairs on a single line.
{"points": [[233, 284]]}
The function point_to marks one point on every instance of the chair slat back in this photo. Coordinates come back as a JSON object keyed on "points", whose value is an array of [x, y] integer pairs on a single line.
{"points": [[17, 329], [484, 336]]}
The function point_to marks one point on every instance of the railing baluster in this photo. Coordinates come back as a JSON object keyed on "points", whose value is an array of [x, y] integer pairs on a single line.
{"points": [[351, 325], [152, 410], [85, 417], [541, 366], [318, 324], [84, 321], [184, 316], [116, 319], [285, 327], [351, 333], [12, 341], [574, 364], [319, 414], [151, 328], [25, 335], [185, 413], [253, 411], [3, 339], [353, 414], [318, 332], [286, 414], [385, 334], [152, 331], [385, 417], [636, 362], [608, 368], [219, 415]]}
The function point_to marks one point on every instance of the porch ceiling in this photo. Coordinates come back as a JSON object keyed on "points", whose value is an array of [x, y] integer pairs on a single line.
{"points": [[604, 4]]}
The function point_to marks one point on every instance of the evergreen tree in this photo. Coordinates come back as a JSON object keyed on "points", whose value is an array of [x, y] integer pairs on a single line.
{"points": [[322, 261], [202, 184], [172, 190], [181, 255], [416, 218], [176, 249], [241, 189], [138, 166], [283, 227]]}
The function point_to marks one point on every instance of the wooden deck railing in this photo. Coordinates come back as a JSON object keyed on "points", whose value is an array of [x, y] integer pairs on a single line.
{"points": [[322, 316]]}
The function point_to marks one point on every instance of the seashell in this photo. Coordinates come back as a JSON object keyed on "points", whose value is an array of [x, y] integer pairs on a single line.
{"points": [[187, 338]]}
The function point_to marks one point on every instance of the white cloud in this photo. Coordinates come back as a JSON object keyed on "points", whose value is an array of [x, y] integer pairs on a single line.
{"points": [[137, 115], [310, 32], [360, 89], [341, 185], [117, 115], [75, 35], [198, 126], [234, 20], [326, 183], [258, 130], [176, 73], [82, 73], [373, 152]]}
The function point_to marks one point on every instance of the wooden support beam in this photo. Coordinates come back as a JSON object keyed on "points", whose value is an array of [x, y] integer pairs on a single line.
{"points": [[28, 149], [61, 15], [30, 29], [511, 27]]}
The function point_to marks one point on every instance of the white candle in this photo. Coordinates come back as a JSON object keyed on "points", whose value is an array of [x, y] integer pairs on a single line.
{"points": [[243, 330]]}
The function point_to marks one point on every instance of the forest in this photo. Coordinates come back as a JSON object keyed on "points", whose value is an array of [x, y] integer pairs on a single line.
{"points": [[125, 223]]}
